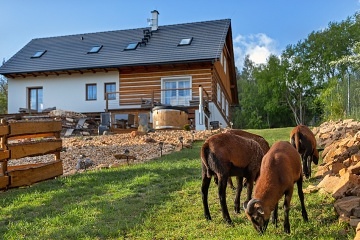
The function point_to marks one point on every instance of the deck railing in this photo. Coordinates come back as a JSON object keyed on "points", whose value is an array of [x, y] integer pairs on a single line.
{"points": [[152, 98]]}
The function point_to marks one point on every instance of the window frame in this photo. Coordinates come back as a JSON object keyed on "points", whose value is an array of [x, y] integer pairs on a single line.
{"points": [[112, 94], [218, 93], [187, 41], [39, 98], [87, 88], [183, 96], [131, 46], [95, 49], [39, 54]]}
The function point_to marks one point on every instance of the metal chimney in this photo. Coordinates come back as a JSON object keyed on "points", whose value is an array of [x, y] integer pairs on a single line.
{"points": [[154, 20]]}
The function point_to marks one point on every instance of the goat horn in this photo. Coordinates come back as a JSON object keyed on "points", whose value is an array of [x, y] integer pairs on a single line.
{"points": [[250, 205]]}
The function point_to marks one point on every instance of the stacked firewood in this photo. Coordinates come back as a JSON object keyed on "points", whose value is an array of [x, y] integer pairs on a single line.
{"points": [[79, 123], [339, 173]]}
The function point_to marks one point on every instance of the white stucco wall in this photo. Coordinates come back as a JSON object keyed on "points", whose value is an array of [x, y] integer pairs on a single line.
{"points": [[216, 115], [66, 92]]}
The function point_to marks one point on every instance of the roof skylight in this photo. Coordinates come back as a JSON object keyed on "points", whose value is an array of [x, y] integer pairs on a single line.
{"points": [[95, 49], [185, 41], [132, 46], [38, 54]]}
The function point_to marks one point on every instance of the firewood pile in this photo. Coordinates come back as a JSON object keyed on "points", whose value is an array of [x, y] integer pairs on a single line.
{"points": [[78, 122], [339, 173]]}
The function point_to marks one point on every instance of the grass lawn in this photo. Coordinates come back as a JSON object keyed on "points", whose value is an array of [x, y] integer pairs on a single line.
{"points": [[155, 200]]}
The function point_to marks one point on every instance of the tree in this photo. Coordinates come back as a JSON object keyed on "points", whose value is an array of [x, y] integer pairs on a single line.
{"points": [[302, 82], [249, 113], [272, 92]]}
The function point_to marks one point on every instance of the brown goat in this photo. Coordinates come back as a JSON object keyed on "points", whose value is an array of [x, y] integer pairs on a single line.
{"points": [[303, 139], [224, 155], [263, 144], [280, 169]]}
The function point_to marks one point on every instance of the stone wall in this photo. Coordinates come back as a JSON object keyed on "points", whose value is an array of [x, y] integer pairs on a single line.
{"points": [[339, 173]]}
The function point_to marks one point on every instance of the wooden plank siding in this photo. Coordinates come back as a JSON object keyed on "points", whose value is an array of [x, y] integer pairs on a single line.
{"points": [[223, 79], [135, 86]]}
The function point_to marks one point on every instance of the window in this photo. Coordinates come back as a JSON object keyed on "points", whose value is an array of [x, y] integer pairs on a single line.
{"points": [[185, 41], [176, 91], [226, 108], [218, 93], [95, 49], [222, 58], [35, 101], [91, 92], [110, 88], [225, 66], [132, 46], [223, 101], [38, 54]]}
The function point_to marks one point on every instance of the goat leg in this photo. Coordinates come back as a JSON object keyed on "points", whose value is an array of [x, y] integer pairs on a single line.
{"points": [[239, 180], [275, 215], [204, 193], [301, 197], [309, 160], [249, 186], [222, 197], [230, 183], [286, 212]]}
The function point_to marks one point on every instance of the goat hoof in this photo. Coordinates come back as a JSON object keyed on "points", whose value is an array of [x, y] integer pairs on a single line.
{"points": [[229, 222]]}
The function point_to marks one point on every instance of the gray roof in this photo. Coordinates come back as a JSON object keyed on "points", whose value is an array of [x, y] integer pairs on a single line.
{"points": [[71, 52]]}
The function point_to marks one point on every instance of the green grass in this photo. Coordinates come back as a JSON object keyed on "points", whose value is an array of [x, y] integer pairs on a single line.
{"points": [[155, 200]]}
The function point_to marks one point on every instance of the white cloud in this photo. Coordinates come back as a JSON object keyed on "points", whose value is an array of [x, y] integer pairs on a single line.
{"points": [[258, 47]]}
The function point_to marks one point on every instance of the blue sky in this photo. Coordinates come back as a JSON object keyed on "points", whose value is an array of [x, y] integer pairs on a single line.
{"points": [[259, 27]]}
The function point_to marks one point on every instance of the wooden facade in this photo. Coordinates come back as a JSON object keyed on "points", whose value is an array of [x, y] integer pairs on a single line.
{"points": [[145, 83], [141, 85]]}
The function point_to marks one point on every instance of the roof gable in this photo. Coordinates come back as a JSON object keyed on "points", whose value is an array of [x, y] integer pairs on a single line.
{"points": [[71, 52]]}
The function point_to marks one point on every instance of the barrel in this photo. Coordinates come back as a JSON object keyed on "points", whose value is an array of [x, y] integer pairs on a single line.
{"points": [[169, 117]]}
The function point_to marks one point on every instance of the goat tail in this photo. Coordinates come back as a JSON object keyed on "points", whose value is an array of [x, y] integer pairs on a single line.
{"points": [[205, 151], [296, 140]]}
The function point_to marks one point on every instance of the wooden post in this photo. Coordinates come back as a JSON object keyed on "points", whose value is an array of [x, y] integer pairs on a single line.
{"points": [[107, 103], [4, 148], [152, 100]]}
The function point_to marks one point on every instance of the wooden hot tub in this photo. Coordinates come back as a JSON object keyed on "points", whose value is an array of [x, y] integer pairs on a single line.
{"points": [[169, 117]]}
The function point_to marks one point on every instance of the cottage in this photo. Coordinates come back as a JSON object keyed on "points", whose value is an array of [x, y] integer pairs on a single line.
{"points": [[129, 73]]}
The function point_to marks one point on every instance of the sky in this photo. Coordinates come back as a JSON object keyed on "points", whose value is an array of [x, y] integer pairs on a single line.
{"points": [[259, 27]]}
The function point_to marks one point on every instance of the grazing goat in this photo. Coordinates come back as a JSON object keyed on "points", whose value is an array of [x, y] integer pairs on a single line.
{"points": [[280, 169], [303, 139], [225, 155], [263, 144]]}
